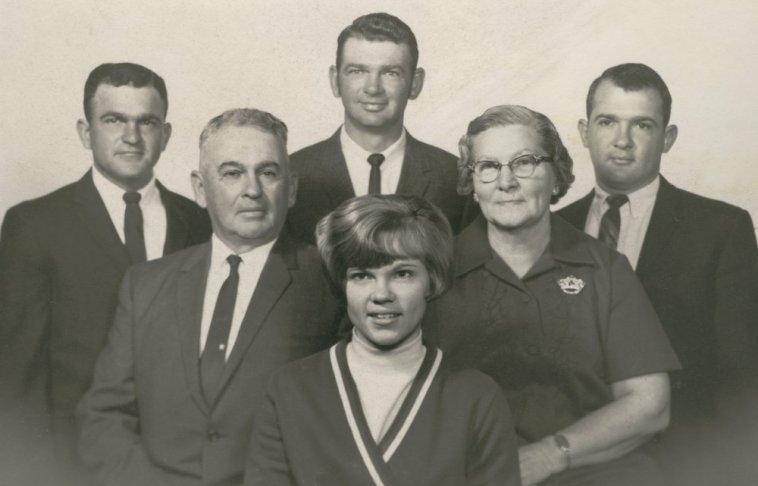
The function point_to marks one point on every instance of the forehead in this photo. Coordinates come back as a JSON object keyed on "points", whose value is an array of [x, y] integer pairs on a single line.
{"points": [[128, 100], [245, 145], [506, 141], [612, 100], [379, 53]]}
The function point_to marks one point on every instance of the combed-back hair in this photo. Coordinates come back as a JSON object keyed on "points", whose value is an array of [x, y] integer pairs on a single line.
{"points": [[122, 74], [374, 230], [505, 115], [379, 26], [247, 117], [633, 77]]}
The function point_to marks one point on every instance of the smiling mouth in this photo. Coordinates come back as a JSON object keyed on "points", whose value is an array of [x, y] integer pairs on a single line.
{"points": [[373, 106], [384, 317]]}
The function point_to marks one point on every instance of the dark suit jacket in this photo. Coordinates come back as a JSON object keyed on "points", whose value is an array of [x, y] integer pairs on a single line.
{"points": [[144, 421], [699, 265], [324, 183], [61, 262]]}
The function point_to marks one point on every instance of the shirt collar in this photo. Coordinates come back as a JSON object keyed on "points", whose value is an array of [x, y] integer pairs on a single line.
{"points": [[352, 151], [472, 248], [220, 251], [110, 191], [639, 201]]}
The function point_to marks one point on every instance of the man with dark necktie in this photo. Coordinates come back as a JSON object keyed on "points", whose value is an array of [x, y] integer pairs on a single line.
{"points": [[698, 261], [375, 75], [62, 257], [198, 334]]}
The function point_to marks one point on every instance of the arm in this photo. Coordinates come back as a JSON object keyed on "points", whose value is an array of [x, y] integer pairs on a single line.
{"points": [[491, 457], [25, 297], [640, 408], [267, 462], [108, 414]]}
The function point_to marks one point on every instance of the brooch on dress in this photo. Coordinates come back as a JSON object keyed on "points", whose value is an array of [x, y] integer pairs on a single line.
{"points": [[571, 285]]}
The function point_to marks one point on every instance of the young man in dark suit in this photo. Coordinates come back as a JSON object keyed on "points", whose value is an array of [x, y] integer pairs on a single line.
{"points": [[62, 257], [698, 262], [375, 75], [198, 334]]}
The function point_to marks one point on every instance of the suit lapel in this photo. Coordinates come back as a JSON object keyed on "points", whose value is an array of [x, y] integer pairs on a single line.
{"points": [[96, 219], [274, 280], [416, 172], [664, 222], [177, 228], [190, 291], [340, 187]]}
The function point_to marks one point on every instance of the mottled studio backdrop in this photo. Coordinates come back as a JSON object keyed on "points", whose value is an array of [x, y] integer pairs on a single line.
{"points": [[275, 54]]}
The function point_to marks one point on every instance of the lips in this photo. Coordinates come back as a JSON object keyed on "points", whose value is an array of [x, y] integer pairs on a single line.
{"points": [[383, 317], [368, 106]]}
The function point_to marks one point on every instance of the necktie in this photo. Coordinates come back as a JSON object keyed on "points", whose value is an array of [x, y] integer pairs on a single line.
{"points": [[375, 179], [213, 359], [134, 235], [610, 224]]}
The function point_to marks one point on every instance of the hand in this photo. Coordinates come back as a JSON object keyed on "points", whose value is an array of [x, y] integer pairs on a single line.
{"points": [[539, 461]]}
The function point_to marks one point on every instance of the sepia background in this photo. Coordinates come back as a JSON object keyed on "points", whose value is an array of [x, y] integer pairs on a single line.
{"points": [[275, 54]]}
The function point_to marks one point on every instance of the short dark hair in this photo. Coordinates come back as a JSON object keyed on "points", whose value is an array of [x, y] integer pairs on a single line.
{"points": [[122, 74], [247, 117], [374, 230], [505, 115], [379, 26], [633, 77]]}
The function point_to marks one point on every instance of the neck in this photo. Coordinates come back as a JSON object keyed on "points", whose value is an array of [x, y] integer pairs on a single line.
{"points": [[374, 141], [409, 346], [520, 248], [135, 184]]}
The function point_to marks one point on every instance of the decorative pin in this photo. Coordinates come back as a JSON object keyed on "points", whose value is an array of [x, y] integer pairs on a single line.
{"points": [[571, 285]]}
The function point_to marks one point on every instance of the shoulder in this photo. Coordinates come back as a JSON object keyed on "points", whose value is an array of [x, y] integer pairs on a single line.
{"points": [[419, 148], [160, 269], [316, 151], [704, 207], [472, 384], [298, 377], [42, 205]]}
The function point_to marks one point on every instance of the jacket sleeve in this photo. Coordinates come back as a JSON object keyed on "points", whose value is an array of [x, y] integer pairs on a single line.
{"points": [[109, 423], [25, 297], [267, 463]]}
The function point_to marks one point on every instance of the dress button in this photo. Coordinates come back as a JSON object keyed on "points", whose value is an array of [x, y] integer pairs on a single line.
{"points": [[213, 436]]}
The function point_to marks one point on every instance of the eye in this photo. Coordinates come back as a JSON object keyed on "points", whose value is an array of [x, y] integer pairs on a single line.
{"points": [[487, 165], [232, 173], [392, 73], [149, 122], [111, 119], [523, 161], [269, 172], [354, 70], [644, 125], [604, 122], [404, 274], [357, 275]]}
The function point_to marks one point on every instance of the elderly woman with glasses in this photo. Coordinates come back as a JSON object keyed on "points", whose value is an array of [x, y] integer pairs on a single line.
{"points": [[557, 318], [378, 408]]}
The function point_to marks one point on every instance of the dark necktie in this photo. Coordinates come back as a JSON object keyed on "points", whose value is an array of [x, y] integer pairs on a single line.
{"points": [[213, 359], [610, 224], [375, 179], [134, 234]]}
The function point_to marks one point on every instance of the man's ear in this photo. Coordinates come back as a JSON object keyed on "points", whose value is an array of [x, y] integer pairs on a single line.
{"points": [[669, 137], [82, 128], [198, 186], [334, 81], [293, 188], [166, 135], [582, 127], [417, 83]]}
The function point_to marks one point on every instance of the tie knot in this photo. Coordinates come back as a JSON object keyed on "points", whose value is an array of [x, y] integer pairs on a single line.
{"points": [[375, 160], [132, 197], [615, 201], [234, 262]]}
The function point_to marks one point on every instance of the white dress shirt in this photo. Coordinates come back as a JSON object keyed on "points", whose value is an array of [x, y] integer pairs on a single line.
{"points": [[635, 218], [153, 213], [359, 169], [249, 272]]}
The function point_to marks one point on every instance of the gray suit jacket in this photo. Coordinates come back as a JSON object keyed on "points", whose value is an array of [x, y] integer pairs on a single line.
{"points": [[324, 183], [144, 421]]}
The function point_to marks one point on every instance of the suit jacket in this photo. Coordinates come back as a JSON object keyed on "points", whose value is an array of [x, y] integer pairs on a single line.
{"points": [[324, 183], [61, 261], [144, 421]]}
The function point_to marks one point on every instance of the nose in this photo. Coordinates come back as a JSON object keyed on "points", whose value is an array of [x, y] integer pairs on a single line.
{"points": [[252, 187], [623, 139], [506, 179], [373, 85], [132, 134], [382, 291]]}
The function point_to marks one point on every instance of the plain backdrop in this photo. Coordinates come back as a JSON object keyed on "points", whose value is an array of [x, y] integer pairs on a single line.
{"points": [[275, 55]]}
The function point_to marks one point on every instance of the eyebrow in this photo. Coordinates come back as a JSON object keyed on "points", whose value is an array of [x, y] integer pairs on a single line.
{"points": [[383, 67], [124, 116], [616, 118]]}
